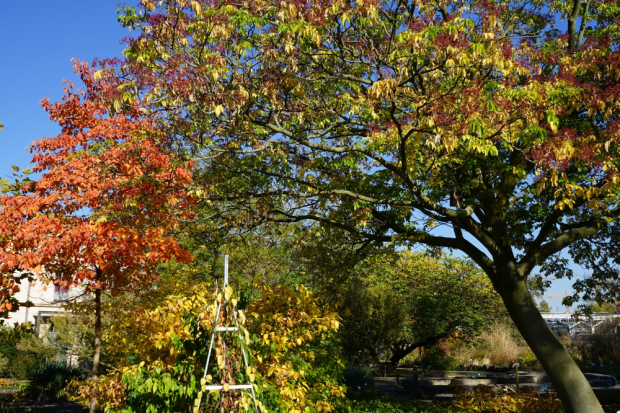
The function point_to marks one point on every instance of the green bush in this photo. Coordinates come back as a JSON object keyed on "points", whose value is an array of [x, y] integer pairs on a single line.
{"points": [[20, 351], [386, 405], [53, 377], [359, 380], [435, 358]]}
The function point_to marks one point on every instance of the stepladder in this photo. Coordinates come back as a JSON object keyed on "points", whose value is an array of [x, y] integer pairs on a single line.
{"points": [[230, 350]]}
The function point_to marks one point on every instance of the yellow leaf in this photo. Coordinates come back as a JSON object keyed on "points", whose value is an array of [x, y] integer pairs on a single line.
{"points": [[196, 7]]}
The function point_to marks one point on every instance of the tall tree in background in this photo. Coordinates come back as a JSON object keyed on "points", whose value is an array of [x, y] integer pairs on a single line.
{"points": [[100, 213], [388, 118]]}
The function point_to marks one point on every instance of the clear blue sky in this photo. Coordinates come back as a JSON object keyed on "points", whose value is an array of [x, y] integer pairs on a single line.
{"points": [[38, 39]]}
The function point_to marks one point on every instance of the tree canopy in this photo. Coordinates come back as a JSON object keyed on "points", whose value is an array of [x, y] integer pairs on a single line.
{"points": [[98, 216], [389, 118]]}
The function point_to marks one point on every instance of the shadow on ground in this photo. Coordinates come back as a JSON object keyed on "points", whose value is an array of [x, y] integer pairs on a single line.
{"points": [[55, 406]]}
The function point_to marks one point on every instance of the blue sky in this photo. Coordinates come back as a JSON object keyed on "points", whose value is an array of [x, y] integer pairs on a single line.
{"points": [[38, 39]]}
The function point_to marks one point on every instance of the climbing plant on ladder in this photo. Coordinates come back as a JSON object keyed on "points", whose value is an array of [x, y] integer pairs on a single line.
{"points": [[222, 328]]}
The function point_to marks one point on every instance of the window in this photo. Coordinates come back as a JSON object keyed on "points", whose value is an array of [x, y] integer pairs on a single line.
{"points": [[61, 293]]}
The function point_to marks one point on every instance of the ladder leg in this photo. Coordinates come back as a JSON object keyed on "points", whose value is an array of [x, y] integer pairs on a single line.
{"points": [[217, 316], [245, 359]]}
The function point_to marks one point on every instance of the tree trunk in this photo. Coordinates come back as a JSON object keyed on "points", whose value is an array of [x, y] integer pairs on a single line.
{"points": [[400, 352], [568, 380], [97, 352]]}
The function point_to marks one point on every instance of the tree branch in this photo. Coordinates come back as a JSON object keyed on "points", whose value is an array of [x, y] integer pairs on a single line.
{"points": [[587, 229], [572, 23], [582, 29], [462, 244]]}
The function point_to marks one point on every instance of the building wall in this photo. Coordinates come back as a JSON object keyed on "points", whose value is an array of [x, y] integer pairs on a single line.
{"points": [[47, 302]]}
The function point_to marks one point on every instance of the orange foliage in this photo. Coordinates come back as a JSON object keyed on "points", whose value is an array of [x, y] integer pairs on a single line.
{"points": [[102, 202]]}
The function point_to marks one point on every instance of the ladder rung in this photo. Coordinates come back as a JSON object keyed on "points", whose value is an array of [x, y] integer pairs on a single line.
{"points": [[225, 328], [230, 387]]}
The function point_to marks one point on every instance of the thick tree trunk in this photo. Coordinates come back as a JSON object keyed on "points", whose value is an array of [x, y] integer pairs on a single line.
{"points": [[568, 380], [97, 352]]}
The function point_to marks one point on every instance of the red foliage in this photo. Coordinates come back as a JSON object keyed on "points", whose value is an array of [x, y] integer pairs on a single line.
{"points": [[106, 199]]}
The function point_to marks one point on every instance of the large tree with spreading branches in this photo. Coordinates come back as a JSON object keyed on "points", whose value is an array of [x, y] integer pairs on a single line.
{"points": [[488, 127]]}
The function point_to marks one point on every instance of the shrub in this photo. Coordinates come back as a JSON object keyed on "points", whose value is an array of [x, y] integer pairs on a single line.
{"points": [[435, 358], [54, 377], [484, 399], [386, 405], [293, 362], [359, 380], [499, 345], [21, 351], [600, 348]]}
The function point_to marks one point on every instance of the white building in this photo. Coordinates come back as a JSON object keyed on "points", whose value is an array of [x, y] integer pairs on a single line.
{"points": [[567, 323], [47, 302]]}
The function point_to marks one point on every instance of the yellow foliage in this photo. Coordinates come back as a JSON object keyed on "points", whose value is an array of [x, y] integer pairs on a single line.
{"points": [[485, 399], [280, 329]]}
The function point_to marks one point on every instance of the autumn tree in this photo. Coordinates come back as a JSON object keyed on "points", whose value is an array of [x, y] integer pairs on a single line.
{"points": [[99, 214], [484, 127]]}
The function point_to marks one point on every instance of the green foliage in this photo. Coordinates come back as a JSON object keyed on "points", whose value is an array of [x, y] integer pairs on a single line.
{"points": [[405, 300], [54, 377], [359, 381], [386, 405], [435, 358], [160, 391], [21, 351], [374, 319], [73, 335]]}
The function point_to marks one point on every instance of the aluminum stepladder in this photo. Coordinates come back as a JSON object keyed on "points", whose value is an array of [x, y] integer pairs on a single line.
{"points": [[225, 329]]}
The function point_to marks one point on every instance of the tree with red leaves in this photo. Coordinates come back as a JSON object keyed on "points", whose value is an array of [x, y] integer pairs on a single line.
{"points": [[102, 211], [476, 125]]}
